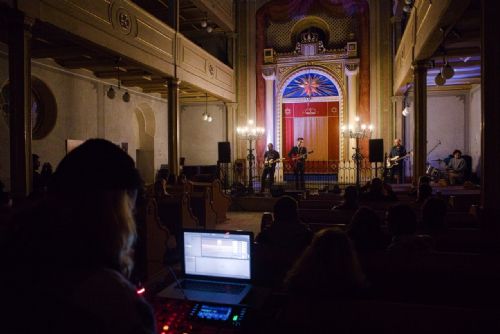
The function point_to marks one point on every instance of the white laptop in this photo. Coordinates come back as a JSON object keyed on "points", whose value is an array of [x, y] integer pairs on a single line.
{"points": [[217, 267]]}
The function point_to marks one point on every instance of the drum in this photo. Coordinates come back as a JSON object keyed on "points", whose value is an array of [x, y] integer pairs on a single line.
{"points": [[431, 171]]}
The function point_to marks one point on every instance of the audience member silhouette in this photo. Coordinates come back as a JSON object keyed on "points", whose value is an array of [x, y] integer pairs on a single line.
{"points": [[160, 186], [402, 225], [377, 190], [45, 176], [37, 179], [365, 231], [433, 216], [66, 259], [5, 206], [323, 278], [350, 201], [424, 192], [281, 244]]}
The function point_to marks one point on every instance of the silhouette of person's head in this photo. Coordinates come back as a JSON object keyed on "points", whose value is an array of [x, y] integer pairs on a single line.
{"points": [[401, 220], [376, 185], [365, 230], [329, 258], [433, 215], [424, 192], [95, 187], [351, 194], [285, 210], [36, 161]]}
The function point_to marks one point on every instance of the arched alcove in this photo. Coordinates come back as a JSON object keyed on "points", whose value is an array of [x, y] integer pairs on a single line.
{"points": [[145, 151]]}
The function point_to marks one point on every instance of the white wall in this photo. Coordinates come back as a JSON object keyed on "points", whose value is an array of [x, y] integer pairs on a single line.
{"points": [[84, 111], [199, 138], [453, 122]]}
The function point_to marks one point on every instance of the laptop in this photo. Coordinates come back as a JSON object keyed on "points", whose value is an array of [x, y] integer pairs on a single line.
{"points": [[216, 265]]}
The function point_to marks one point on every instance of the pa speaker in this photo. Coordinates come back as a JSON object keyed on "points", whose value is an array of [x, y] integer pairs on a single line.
{"points": [[224, 152], [376, 148]]}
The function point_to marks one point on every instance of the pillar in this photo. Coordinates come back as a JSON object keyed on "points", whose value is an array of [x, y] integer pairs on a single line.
{"points": [[420, 125], [269, 76], [19, 43], [173, 125]]}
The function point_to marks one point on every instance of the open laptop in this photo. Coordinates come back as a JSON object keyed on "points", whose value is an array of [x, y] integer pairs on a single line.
{"points": [[217, 267]]}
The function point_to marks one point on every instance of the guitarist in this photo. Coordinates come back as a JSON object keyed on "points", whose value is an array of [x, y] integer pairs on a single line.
{"points": [[397, 151], [271, 156], [298, 154]]}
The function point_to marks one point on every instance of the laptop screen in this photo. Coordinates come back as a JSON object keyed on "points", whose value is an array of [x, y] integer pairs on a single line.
{"points": [[218, 254]]}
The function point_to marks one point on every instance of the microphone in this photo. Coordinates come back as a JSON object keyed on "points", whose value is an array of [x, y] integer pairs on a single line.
{"points": [[179, 286]]}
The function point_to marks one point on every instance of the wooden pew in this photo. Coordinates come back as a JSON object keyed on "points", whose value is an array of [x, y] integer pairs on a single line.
{"points": [[219, 201], [156, 237]]}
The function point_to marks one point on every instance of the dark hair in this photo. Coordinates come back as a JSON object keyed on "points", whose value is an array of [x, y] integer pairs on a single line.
{"points": [[457, 151], [300, 138], [97, 164], [401, 220], [365, 230], [285, 209]]}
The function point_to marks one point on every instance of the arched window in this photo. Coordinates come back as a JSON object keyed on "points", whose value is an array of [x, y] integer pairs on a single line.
{"points": [[43, 108]]}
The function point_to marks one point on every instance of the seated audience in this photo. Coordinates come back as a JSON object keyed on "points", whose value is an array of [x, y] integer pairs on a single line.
{"points": [[433, 216], [265, 223], [322, 279], [424, 192], [350, 199], [66, 259], [280, 245], [365, 231], [377, 190], [402, 225]]}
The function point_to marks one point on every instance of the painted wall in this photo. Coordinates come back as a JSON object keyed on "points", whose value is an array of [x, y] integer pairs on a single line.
{"points": [[84, 111], [199, 138]]}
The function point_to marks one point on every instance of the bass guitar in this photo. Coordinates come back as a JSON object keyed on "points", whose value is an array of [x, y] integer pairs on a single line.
{"points": [[394, 161]]}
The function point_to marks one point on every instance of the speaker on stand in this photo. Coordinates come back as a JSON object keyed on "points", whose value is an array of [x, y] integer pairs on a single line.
{"points": [[376, 152], [224, 157]]}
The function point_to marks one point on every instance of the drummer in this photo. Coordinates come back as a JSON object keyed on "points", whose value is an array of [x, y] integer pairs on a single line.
{"points": [[456, 168]]}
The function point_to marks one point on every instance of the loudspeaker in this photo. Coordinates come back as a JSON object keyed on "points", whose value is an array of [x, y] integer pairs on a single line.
{"points": [[376, 150], [224, 150]]}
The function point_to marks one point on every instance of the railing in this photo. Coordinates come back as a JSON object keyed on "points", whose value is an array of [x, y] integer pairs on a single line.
{"points": [[319, 175]]}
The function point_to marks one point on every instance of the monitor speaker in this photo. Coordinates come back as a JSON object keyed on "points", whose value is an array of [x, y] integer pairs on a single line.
{"points": [[224, 150], [376, 150]]}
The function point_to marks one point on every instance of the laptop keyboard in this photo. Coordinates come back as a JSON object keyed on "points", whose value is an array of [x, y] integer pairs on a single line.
{"points": [[233, 289]]}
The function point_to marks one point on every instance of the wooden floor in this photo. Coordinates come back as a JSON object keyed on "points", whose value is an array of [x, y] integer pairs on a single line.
{"points": [[242, 220]]}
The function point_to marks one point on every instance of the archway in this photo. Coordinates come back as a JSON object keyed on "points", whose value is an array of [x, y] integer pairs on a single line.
{"points": [[310, 105], [146, 150]]}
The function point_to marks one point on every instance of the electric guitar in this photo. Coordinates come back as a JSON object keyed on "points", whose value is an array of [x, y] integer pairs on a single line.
{"points": [[296, 157], [394, 161], [270, 162]]}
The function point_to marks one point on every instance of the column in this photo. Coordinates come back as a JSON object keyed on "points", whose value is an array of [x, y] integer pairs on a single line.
{"points": [[420, 125], [232, 124], [269, 76], [490, 125], [19, 43], [173, 125], [351, 72]]}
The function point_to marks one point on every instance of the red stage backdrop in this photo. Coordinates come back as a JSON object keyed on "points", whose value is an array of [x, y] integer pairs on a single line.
{"points": [[318, 124]]}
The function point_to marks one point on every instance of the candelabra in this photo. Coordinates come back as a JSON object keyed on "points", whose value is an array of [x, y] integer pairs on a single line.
{"points": [[357, 131], [250, 133]]}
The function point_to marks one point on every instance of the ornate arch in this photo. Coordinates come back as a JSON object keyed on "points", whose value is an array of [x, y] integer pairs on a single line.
{"points": [[316, 69]]}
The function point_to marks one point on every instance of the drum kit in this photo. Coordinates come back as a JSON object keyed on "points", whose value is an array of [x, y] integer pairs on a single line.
{"points": [[436, 174]]}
